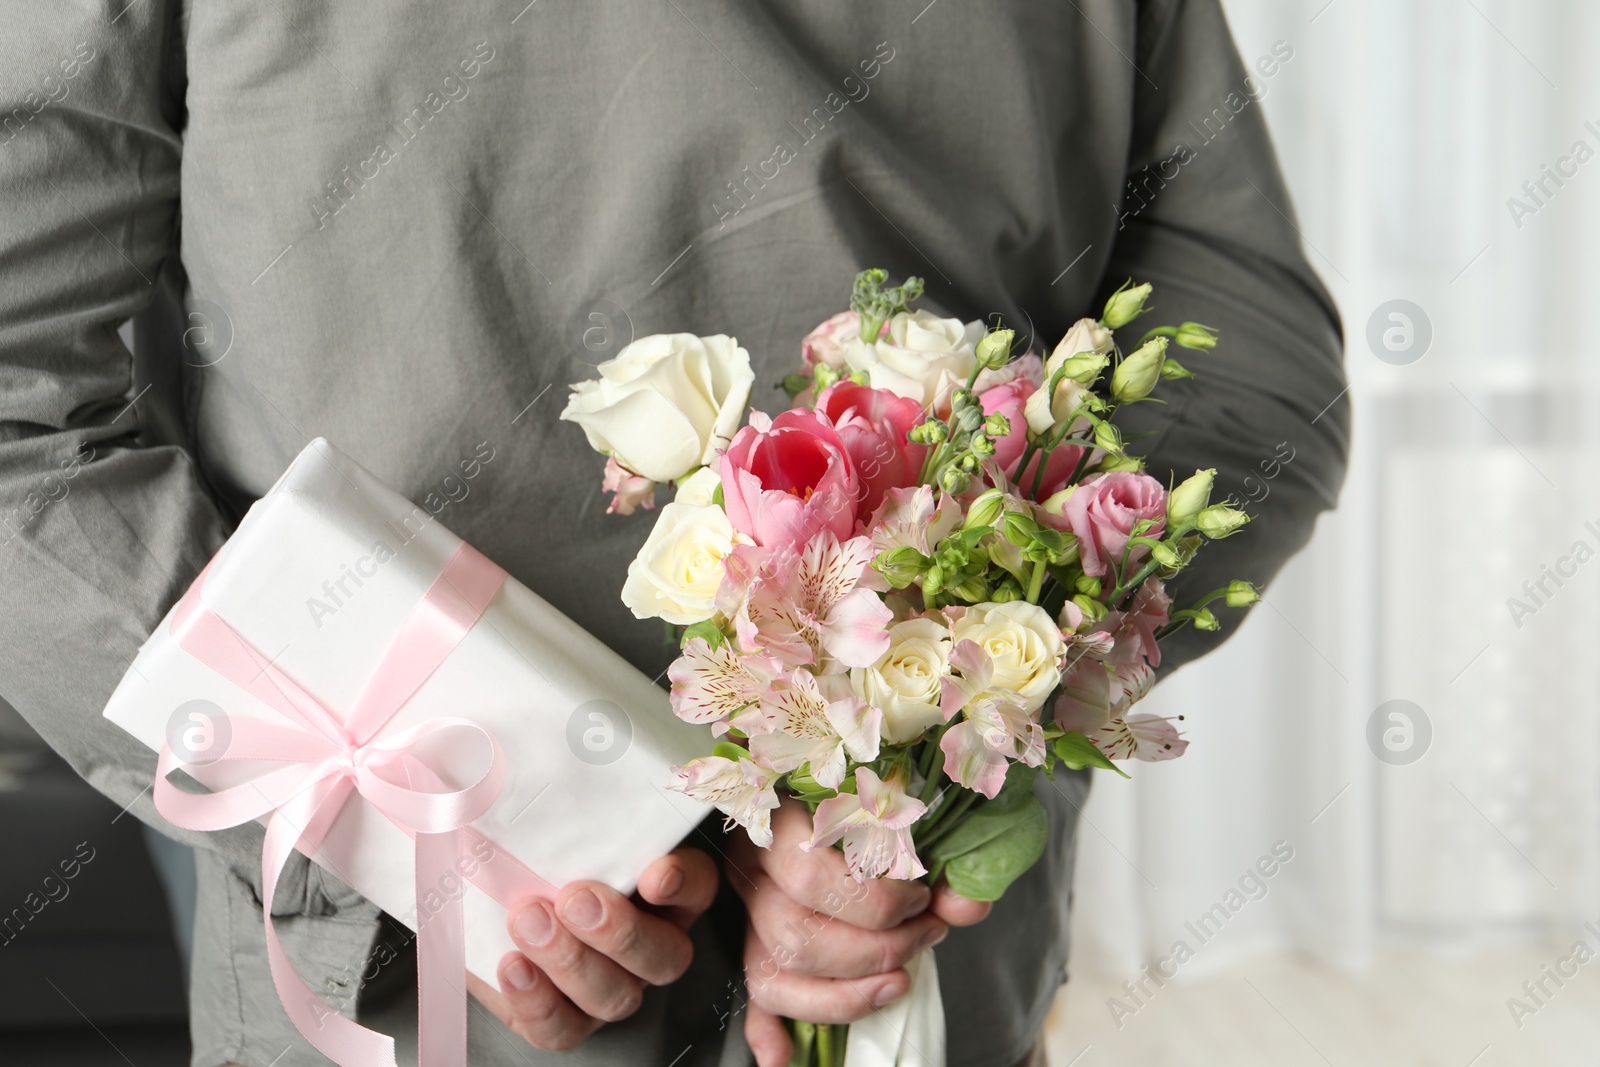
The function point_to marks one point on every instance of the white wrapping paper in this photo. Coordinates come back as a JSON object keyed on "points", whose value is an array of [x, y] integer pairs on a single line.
{"points": [[318, 578]]}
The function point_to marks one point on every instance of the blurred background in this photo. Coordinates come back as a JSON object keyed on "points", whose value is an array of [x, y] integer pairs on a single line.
{"points": [[1404, 715], [1404, 734]]}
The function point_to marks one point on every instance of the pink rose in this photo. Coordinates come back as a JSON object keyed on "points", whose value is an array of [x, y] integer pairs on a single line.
{"points": [[825, 344], [787, 478], [1103, 511], [873, 424]]}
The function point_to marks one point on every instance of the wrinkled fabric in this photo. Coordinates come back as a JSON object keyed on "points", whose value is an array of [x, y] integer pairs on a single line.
{"points": [[407, 226]]}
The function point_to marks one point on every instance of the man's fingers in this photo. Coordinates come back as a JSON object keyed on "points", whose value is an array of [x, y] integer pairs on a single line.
{"points": [[767, 1037], [682, 884], [655, 949], [956, 909], [820, 880], [808, 943], [595, 984], [530, 1005], [818, 1000]]}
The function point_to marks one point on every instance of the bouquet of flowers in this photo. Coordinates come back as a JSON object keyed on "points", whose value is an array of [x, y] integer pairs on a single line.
{"points": [[937, 574]]}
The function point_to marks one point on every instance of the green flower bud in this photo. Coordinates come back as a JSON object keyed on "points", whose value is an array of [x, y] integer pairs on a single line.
{"points": [[1084, 367], [1137, 374], [933, 580], [1241, 594], [1187, 500], [1018, 528], [932, 432], [986, 509], [825, 376], [859, 377], [1164, 554], [953, 481], [1204, 620], [1007, 591], [997, 425], [1114, 464], [982, 446], [1195, 336], [1087, 585], [900, 566], [968, 464], [994, 350], [1173, 371], [1093, 610], [1125, 305], [973, 590], [1219, 520], [1107, 438], [969, 418]]}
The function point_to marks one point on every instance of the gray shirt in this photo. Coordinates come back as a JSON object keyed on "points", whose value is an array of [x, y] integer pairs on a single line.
{"points": [[407, 226]]}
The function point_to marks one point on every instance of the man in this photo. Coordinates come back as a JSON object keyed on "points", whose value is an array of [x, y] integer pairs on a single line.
{"points": [[403, 225]]}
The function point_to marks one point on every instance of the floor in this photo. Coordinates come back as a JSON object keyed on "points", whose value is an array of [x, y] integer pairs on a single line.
{"points": [[1409, 1010]]}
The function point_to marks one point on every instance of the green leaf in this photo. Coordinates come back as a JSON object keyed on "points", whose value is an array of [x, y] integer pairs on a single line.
{"points": [[992, 817], [708, 630], [984, 872], [1077, 752], [729, 750], [716, 495]]}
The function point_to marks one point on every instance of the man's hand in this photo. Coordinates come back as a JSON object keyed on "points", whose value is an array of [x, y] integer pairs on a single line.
{"points": [[821, 946], [585, 961]]}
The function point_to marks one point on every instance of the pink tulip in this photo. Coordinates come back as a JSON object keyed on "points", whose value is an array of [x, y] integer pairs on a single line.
{"points": [[873, 424], [787, 478]]}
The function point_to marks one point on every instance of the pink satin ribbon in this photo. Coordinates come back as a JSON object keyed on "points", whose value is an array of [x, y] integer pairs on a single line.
{"points": [[327, 760]]}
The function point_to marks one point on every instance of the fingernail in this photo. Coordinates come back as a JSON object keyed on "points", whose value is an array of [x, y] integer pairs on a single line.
{"points": [[887, 993], [671, 882], [535, 926], [520, 974], [583, 909]]}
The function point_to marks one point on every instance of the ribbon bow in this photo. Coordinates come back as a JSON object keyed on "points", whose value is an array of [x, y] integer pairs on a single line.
{"points": [[327, 760]]}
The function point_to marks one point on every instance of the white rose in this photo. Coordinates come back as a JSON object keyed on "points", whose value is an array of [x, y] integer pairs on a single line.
{"points": [[922, 358], [677, 573], [1024, 642], [666, 404], [698, 488], [905, 681]]}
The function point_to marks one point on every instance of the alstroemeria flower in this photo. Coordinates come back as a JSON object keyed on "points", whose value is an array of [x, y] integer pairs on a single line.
{"points": [[740, 789], [1140, 737], [787, 478], [721, 685], [909, 517], [802, 605], [875, 823], [629, 491], [817, 721], [996, 725]]}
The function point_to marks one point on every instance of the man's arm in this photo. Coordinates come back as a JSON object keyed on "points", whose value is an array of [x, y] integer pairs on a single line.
{"points": [[1211, 226]]}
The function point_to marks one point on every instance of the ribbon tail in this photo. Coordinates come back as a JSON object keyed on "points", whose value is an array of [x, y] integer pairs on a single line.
{"points": [[441, 952], [342, 1040], [909, 1032]]}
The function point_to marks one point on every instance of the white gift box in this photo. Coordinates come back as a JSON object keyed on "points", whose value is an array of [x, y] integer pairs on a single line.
{"points": [[318, 578]]}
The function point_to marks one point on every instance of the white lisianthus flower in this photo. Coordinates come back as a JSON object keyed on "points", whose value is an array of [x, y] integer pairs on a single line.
{"points": [[666, 404], [698, 488], [923, 356], [677, 573], [1023, 641], [905, 682]]}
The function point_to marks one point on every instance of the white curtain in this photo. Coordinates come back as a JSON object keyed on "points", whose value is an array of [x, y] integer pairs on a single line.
{"points": [[1405, 127]]}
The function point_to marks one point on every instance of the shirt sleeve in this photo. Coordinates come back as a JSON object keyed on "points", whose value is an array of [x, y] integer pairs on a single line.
{"points": [[101, 527], [1207, 219]]}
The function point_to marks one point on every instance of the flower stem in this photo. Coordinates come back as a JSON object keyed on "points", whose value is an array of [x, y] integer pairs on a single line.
{"points": [[1036, 582], [948, 819], [1027, 454]]}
